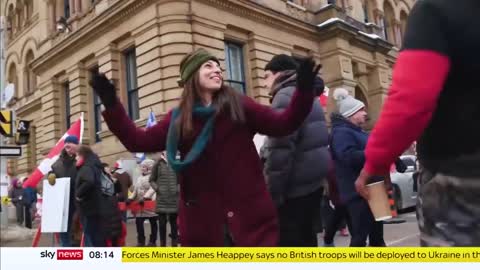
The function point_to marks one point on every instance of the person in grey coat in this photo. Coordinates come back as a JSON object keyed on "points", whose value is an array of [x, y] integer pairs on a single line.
{"points": [[164, 181], [296, 165]]}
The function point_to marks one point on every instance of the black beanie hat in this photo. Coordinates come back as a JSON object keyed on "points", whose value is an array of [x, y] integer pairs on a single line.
{"points": [[281, 62]]}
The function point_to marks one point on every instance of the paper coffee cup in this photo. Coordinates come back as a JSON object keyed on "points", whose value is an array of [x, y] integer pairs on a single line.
{"points": [[378, 201]]}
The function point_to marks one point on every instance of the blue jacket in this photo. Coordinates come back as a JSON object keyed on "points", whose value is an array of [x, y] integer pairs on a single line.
{"points": [[347, 145]]}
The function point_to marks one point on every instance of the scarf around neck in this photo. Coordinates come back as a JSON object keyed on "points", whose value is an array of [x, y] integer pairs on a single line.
{"points": [[199, 144]]}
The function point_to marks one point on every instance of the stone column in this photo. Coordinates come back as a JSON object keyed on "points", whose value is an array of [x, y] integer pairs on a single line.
{"points": [[86, 5], [73, 10], [49, 125], [52, 11], [26, 19], [398, 33], [378, 82], [78, 6]]}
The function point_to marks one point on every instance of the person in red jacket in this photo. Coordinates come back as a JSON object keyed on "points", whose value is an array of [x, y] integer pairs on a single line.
{"points": [[220, 173], [435, 97]]}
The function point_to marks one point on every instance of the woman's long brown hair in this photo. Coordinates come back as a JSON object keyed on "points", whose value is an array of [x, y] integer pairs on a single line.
{"points": [[226, 99]]}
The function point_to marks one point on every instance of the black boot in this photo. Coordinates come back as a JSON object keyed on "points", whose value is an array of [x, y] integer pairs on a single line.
{"points": [[152, 242], [140, 241]]}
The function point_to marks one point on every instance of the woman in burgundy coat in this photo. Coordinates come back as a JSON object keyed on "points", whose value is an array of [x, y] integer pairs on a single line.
{"points": [[220, 173]]}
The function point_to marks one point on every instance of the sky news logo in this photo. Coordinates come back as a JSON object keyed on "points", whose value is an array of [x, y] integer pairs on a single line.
{"points": [[63, 254]]}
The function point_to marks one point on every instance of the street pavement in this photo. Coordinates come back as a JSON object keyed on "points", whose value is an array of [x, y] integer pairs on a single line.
{"points": [[395, 235], [404, 234]]}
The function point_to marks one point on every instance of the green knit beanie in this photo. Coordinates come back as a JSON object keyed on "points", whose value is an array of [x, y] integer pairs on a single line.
{"points": [[192, 62]]}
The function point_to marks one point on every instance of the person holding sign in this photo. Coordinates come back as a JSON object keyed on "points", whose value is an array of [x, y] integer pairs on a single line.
{"points": [[65, 167], [220, 173]]}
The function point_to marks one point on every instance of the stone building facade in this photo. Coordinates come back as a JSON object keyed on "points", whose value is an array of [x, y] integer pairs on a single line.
{"points": [[53, 47]]}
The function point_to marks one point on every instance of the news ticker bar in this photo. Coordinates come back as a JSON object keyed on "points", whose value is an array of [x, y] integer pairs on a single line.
{"points": [[246, 255], [308, 255]]}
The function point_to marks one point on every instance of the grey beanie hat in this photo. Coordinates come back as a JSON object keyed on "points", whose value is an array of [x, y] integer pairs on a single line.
{"points": [[346, 104]]}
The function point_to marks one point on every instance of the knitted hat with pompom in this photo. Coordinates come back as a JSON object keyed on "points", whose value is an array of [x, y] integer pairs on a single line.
{"points": [[346, 104]]}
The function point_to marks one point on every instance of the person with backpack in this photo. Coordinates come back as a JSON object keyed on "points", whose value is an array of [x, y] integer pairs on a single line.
{"points": [[111, 214], [88, 195]]}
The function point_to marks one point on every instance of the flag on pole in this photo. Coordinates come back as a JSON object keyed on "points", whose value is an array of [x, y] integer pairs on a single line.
{"points": [[324, 97], [45, 166], [151, 121]]}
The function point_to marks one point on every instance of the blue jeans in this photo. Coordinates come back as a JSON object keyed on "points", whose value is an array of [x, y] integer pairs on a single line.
{"points": [[66, 237]]}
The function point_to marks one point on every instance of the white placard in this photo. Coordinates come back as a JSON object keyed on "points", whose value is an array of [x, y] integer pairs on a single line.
{"points": [[259, 140], [55, 203]]}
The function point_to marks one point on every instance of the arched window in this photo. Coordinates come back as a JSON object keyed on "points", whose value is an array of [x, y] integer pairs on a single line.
{"points": [[360, 96], [30, 78], [389, 22], [12, 77]]}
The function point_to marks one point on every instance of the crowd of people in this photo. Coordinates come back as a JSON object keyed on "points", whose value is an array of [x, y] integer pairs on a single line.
{"points": [[219, 190]]}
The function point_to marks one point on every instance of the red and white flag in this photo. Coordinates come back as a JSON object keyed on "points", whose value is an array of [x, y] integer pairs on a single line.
{"points": [[45, 166], [324, 98]]}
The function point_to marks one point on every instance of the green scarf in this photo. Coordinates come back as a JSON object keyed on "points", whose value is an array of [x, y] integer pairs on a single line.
{"points": [[199, 144]]}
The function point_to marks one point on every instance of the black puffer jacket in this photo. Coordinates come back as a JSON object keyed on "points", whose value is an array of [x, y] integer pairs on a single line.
{"points": [[297, 165], [111, 214], [87, 189]]}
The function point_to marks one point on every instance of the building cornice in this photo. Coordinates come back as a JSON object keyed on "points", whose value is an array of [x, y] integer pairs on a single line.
{"points": [[262, 14], [118, 11], [30, 107], [349, 32]]}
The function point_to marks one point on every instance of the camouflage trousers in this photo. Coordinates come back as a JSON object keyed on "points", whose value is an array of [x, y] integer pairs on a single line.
{"points": [[448, 210]]}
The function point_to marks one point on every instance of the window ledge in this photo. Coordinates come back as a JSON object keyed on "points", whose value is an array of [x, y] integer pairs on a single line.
{"points": [[302, 8]]}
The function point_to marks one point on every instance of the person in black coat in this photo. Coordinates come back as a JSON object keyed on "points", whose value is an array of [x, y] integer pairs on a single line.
{"points": [[110, 213], [65, 167], [88, 196]]}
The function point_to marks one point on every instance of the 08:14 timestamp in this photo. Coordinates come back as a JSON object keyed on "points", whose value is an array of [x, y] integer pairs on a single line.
{"points": [[100, 254]]}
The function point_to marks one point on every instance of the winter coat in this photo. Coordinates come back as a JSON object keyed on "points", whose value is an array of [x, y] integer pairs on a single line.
{"points": [[143, 191], [65, 167], [332, 186], [347, 144], [297, 164], [125, 182], [29, 196], [16, 194], [164, 181], [225, 185], [111, 215], [87, 189]]}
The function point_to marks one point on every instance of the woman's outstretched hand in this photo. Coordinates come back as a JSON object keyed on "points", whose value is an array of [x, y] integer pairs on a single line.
{"points": [[104, 89], [306, 73]]}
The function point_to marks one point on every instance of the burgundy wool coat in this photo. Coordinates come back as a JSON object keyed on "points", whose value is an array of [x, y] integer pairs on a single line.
{"points": [[225, 185]]}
